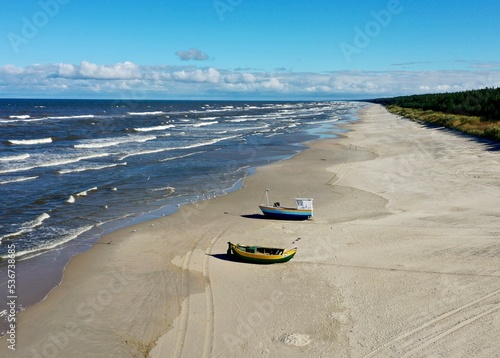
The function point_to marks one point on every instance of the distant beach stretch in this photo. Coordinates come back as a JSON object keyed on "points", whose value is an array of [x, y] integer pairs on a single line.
{"points": [[400, 259]]}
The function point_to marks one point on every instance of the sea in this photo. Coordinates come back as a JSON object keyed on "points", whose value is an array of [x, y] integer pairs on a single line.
{"points": [[72, 170]]}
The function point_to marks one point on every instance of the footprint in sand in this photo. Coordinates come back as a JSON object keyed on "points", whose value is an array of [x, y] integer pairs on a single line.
{"points": [[296, 339]]}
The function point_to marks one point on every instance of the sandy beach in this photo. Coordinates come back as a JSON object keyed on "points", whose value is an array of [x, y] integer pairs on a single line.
{"points": [[401, 259]]}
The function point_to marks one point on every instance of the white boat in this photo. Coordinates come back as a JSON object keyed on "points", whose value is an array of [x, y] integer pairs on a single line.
{"points": [[302, 211]]}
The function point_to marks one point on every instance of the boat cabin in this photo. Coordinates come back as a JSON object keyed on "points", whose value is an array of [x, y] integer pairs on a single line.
{"points": [[304, 203]]}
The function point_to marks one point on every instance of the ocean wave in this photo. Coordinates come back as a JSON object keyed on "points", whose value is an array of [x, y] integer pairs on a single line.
{"points": [[153, 113], [71, 199], [30, 141], [84, 169], [16, 120], [30, 253], [195, 111], [204, 124], [27, 227], [156, 128], [85, 192], [17, 180], [27, 118], [195, 145], [169, 189], [243, 119], [55, 163], [14, 158], [103, 143], [331, 120], [249, 128], [83, 116], [181, 156]]}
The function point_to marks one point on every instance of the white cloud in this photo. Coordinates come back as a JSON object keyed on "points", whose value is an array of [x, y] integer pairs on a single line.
{"points": [[11, 70], [236, 77], [211, 75], [126, 70], [66, 70], [274, 83], [89, 79], [192, 54]]}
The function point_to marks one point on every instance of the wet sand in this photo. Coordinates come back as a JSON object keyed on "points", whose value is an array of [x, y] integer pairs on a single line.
{"points": [[401, 259]]}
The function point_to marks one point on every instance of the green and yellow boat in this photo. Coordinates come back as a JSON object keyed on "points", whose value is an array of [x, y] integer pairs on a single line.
{"points": [[259, 254]]}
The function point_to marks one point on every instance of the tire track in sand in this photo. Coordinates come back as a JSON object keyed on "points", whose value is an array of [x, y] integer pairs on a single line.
{"points": [[186, 315], [414, 340], [210, 326], [183, 317], [339, 173]]}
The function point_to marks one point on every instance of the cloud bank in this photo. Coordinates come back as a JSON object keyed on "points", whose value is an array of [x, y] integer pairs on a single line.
{"points": [[87, 79]]}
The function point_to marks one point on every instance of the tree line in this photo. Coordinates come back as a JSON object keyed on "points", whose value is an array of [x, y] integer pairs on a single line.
{"points": [[475, 112], [483, 103]]}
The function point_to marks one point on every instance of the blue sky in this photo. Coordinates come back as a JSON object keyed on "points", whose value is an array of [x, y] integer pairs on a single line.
{"points": [[249, 49]]}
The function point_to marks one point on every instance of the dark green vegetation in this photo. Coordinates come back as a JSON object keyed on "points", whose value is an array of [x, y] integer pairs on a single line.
{"points": [[475, 112]]}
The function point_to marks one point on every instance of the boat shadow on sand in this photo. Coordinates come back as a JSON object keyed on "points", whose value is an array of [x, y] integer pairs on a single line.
{"points": [[255, 216], [226, 257], [266, 217]]}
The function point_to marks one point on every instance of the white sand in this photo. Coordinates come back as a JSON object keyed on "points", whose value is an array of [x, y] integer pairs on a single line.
{"points": [[402, 259]]}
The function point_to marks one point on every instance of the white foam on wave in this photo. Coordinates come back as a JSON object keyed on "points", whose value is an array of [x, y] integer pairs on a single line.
{"points": [[14, 158], [27, 118], [168, 189], [12, 120], [83, 116], [30, 141], [214, 110], [201, 144], [155, 128], [71, 199], [153, 113], [331, 120], [55, 163], [103, 143], [27, 227], [243, 119], [204, 124], [17, 180], [39, 220], [84, 169], [30, 253], [85, 192], [181, 156]]}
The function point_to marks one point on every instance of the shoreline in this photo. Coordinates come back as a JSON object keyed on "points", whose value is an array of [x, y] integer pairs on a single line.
{"points": [[63, 254], [379, 243]]}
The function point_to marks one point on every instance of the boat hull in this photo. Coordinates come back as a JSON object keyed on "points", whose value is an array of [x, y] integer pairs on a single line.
{"points": [[286, 213], [250, 254]]}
